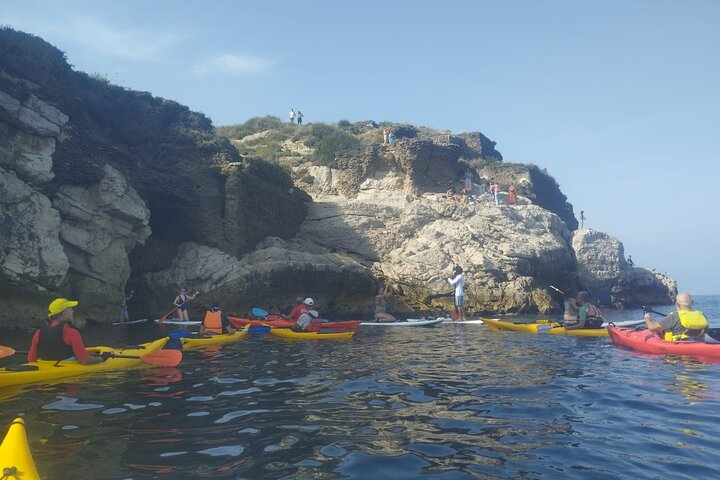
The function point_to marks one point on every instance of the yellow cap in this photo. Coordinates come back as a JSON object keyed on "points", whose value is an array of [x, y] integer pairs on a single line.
{"points": [[59, 305]]}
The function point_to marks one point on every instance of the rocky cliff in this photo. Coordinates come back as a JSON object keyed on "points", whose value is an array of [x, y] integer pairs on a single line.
{"points": [[103, 190], [99, 184]]}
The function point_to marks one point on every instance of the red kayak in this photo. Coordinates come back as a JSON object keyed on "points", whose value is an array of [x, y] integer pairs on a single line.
{"points": [[649, 342], [275, 321], [317, 325]]}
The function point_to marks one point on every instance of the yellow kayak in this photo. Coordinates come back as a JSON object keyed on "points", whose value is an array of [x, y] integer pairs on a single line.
{"points": [[543, 326], [45, 370], [16, 460], [192, 343], [287, 333]]}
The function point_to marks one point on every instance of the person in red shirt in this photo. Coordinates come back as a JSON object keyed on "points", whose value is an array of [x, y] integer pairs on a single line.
{"points": [[304, 307], [59, 339]]}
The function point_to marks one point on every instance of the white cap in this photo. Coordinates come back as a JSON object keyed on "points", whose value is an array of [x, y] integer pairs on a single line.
{"points": [[309, 301]]}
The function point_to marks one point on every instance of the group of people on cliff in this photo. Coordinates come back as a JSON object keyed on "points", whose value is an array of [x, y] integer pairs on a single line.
{"points": [[296, 116], [465, 191]]}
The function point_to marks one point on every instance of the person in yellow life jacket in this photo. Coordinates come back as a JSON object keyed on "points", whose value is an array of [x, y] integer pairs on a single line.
{"points": [[684, 324], [215, 323], [588, 315]]}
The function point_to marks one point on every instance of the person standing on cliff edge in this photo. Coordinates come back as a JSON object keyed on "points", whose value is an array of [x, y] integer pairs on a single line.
{"points": [[292, 115], [582, 219]]}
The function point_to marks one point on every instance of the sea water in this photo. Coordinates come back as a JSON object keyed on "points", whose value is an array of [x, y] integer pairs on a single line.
{"points": [[448, 402]]}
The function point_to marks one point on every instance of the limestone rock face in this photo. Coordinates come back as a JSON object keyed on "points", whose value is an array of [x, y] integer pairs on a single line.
{"points": [[269, 278], [31, 256], [603, 270], [413, 243], [100, 226]]}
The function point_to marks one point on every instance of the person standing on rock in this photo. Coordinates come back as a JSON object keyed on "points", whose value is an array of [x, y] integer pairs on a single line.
{"points": [[511, 194], [459, 283], [292, 115], [494, 192], [299, 117], [630, 261], [582, 219], [181, 304]]}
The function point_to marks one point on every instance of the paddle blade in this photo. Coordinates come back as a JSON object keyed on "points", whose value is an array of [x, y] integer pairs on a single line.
{"points": [[260, 329], [259, 312], [6, 351], [163, 358]]}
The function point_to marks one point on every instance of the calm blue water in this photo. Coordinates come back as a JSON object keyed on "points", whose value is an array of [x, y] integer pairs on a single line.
{"points": [[451, 402]]}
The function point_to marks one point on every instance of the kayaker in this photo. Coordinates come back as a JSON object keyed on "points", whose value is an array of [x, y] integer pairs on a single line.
{"points": [[683, 324], [571, 309], [304, 307], [381, 314], [181, 304], [459, 282], [588, 316], [58, 339], [215, 322], [303, 315]]}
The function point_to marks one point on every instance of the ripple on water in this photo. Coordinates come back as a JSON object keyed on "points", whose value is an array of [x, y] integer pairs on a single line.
{"points": [[71, 404], [224, 451]]}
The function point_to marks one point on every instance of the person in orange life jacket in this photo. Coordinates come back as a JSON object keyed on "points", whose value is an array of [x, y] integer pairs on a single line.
{"points": [[215, 322], [59, 339], [588, 315], [181, 304], [684, 324]]}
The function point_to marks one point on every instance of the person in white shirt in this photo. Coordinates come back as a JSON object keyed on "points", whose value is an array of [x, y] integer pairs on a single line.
{"points": [[292, 115], [459, 282]]}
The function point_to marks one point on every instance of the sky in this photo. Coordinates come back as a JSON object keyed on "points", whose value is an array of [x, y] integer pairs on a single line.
{"points": [[618, 99]]}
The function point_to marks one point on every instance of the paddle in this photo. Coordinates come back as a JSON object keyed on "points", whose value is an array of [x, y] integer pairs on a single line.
{"points": [[557, 289], [259, 312], [162, 358], [650, 310]]}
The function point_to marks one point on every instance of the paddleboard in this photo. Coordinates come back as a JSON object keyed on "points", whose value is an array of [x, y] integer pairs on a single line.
{"points": [[416, 322], [176, 321], [131, 322], [447, 321]]}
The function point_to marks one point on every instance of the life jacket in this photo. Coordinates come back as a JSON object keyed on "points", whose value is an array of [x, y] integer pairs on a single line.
{"points": [[594, 317], [213, 322], [50, 344], [694, 323]]}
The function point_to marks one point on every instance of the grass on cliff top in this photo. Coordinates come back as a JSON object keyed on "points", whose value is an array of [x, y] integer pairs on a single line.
{"points": [[269, 138]]}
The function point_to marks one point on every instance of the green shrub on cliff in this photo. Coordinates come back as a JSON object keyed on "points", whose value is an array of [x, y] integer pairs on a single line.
{"points": [[328, 141]]}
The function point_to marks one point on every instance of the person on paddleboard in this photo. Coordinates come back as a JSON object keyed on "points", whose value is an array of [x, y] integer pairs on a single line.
{"points": [[381, 314], [588, 316], [124, 314], [683, 324], [215, 322], [459, 283], [58, 339], [181, 304]]}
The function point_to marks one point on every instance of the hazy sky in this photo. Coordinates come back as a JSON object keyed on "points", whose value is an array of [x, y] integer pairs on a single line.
{"points": [[618, 100]]}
